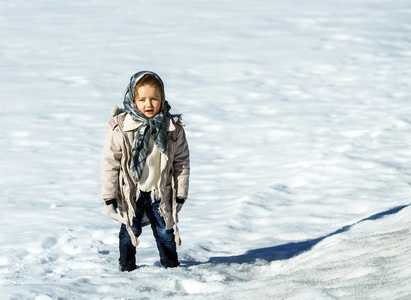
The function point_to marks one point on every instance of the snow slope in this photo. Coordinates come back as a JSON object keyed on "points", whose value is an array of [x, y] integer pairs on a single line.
{"points": [[299, 126]]}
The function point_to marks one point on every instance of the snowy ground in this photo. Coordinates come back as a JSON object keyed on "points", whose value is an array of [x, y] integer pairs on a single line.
{"points": [[299, 123]]}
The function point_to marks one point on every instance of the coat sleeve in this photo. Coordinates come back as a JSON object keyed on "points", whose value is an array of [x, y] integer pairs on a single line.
{"points": [[181, 164], [110, 165]]}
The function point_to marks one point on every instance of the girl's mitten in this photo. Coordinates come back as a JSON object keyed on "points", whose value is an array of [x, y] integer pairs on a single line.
{"points": [[111, 205], [180, 203]]}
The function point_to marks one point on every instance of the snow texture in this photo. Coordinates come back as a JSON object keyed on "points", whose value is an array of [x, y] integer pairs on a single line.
{"points": [[299, 123]]}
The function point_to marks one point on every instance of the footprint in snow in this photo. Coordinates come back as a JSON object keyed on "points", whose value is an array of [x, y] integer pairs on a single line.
{"points": [[48, 242]]}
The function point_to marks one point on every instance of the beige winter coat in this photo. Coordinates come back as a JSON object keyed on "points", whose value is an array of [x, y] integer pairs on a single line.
{"points": [[118, 182]]}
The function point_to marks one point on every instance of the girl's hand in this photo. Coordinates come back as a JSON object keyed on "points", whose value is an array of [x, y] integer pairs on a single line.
{"points": [[111, 209], [111, 205], [180, 203]]}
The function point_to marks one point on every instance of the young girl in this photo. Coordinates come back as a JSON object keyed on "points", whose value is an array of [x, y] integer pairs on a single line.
{"points": [[145, 170]]}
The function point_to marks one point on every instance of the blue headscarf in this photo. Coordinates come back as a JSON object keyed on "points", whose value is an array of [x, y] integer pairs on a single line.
{"points": [[156, 127]]}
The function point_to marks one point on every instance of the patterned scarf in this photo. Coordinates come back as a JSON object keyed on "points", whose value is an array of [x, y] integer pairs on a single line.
{"points": [[156, 127]]}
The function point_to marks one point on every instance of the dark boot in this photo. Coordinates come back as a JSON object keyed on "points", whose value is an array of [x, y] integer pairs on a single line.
{"points": [[126, 266], [169, 265]]}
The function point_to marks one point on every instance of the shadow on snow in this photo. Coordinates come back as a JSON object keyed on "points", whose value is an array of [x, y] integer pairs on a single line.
{"points": [[287, 250]]}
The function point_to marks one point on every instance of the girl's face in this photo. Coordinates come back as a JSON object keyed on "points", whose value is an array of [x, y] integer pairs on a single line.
{"points": [[148, 100]]}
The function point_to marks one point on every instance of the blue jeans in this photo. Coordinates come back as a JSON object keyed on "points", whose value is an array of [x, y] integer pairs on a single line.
{"points": [[165, 238]]}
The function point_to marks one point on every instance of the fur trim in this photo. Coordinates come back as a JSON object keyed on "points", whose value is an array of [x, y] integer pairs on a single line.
{"points": [[178, 119], [116, 111]]}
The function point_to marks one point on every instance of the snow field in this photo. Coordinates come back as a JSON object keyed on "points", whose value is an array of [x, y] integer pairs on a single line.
{"points": [[299, 126]]}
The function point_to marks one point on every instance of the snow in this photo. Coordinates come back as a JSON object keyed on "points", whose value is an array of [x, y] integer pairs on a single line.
{"points": [[299, 126]]}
